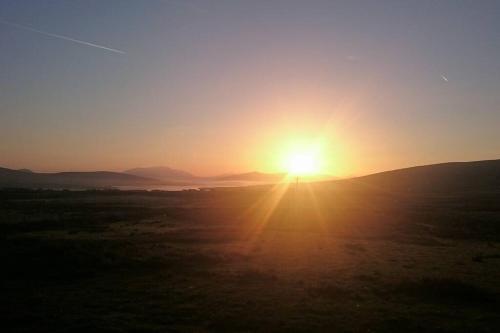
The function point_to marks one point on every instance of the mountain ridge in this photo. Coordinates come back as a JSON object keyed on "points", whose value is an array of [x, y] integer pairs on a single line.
{"points": [[439, 177], [70, 179]]}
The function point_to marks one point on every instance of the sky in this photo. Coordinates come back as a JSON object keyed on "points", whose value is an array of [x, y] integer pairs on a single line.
{"points": [[214, 87]]}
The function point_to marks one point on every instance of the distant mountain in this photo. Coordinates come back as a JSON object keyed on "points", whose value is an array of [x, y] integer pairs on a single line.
{"points": [[162, 173], [252, 176], [96, 179], [270, 177], [438, 178]]}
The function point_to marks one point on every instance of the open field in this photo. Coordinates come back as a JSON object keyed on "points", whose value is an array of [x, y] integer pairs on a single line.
{"points": [[274, 166], [243, 260]]}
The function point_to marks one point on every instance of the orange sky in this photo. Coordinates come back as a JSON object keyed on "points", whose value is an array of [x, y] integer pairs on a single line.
{"points": [[231, 86]]}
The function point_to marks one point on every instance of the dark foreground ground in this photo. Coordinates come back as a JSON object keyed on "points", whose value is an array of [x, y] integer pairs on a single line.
{"points": [[306, 260]]}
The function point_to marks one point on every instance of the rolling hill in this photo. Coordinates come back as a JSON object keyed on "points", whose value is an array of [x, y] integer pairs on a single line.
{"points": [[443, 177], [439, 178], [252, 176], [162, 173], [21, 178]]}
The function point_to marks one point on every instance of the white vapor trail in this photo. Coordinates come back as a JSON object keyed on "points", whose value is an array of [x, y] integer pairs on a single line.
{"points": [[24, 27]]}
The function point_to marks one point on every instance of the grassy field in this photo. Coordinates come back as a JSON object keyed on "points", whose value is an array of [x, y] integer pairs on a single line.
{"points": [[307, 259]]}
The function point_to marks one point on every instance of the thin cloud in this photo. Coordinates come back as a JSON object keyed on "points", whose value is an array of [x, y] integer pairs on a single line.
{"points": [[49, 34]]}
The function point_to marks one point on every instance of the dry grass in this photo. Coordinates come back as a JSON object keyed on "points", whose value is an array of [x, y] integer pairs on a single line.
{"points": [[191, 262]]}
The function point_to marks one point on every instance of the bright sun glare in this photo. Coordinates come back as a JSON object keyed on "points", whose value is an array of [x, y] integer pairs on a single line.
{"points": [[302, 164]]}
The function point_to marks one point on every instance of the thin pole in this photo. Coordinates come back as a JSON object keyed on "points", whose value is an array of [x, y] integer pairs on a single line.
{"points": [[296, 190], [296, 198]]}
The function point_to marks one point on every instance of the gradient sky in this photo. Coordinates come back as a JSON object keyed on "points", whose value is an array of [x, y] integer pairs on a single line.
{"points": [[228, 86]]}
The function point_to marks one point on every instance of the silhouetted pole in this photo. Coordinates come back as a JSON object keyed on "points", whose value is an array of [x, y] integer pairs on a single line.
{"points": [[296, 187], [296, 199]]}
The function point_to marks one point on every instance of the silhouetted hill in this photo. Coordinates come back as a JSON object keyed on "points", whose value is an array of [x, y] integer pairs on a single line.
{"points": [[21, 178], [163, 173], [271, 177], [444, 177], [252, 176]]}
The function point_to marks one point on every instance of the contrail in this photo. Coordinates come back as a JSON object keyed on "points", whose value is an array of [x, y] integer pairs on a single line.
{"points": [[24, 27]]}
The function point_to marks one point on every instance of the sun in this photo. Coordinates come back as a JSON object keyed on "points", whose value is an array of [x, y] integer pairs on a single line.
{"points": [[302, 163]]}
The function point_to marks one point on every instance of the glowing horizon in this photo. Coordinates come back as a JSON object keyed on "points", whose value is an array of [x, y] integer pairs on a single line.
{"points": [[229, 87]]}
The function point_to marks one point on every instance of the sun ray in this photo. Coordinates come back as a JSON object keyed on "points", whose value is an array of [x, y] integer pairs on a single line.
{"points": [[261, 212]]}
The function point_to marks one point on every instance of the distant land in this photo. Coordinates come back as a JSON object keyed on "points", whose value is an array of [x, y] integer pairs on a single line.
{"points": [[154, 177], [443, 177], [162, 173], [438, 178], [167, 173], [252, 176], [29, 179], [270, 177]]}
